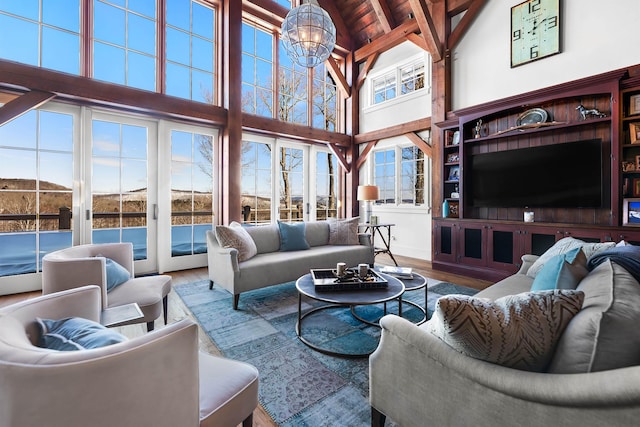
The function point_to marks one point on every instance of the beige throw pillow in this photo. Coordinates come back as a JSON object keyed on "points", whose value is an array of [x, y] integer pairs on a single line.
{"points": [[519, 331], [235, 236], [344, 232]]}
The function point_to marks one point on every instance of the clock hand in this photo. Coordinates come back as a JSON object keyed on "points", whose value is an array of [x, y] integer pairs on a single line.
{"points": [[535, 26]]}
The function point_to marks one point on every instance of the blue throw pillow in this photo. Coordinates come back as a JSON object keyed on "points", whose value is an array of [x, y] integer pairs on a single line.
{"points": [[116, 274], [562, 271], [75, 333], [292, 236]]}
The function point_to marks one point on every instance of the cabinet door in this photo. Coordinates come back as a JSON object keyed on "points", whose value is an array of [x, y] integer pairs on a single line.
{"points": [[591, 236], [472, 243], [445, 241], [504, 247]]}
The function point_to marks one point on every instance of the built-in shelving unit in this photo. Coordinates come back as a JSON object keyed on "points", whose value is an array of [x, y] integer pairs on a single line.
{"points": [[488, 242]]}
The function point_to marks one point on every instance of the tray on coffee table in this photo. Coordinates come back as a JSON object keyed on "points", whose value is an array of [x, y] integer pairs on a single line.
{"points": [[327, 280]]}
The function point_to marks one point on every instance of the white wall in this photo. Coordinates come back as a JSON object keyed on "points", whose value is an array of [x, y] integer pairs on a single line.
{"points": [[596, 36]]}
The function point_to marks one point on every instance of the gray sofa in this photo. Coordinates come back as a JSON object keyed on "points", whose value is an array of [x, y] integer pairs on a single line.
{"points": [[416, 379], [271, 266]]}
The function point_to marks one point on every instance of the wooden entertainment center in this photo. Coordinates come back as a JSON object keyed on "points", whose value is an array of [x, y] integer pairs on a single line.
{"points": [[487, 242]]}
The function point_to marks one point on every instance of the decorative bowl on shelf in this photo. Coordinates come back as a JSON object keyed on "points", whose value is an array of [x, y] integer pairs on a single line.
{"points": [[532, 116]]}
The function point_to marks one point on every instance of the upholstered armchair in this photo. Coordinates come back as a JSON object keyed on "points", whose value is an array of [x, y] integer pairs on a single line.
{"points": [[87, 265], [159, 379]]}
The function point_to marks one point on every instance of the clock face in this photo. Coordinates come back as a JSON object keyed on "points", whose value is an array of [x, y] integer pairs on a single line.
{"points": [[535, 30]]}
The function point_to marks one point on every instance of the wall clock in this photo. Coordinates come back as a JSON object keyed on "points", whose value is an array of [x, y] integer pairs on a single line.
{"points": [[535, 30]]}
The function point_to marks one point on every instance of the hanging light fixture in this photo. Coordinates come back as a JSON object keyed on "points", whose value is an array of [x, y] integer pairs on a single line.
{"points": [[308, 34]]}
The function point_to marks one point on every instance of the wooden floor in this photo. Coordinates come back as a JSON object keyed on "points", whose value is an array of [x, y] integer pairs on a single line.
{"points": [[178, 311]]}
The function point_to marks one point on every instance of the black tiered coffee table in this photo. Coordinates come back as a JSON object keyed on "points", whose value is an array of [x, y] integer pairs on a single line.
{"points": [[345, 299], [415, 283]]}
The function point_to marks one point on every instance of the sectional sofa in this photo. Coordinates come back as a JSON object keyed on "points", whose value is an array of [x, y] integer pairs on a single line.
{"points": [[592, 377]]}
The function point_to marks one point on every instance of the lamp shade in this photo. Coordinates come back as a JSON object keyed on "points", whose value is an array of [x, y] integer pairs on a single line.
{"points": [[368, 192], [308, 34]]}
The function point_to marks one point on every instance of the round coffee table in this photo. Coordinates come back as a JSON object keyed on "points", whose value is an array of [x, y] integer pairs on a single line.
{"points": [[344, 299]]}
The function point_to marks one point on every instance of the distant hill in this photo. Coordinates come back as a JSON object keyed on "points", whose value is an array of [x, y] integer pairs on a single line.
{"points": [[29, 184]]}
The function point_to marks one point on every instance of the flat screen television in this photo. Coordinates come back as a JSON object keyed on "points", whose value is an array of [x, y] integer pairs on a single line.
{"points": [[567, 175]]}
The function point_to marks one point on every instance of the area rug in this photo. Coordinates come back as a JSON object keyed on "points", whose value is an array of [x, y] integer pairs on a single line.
{"points": [[300, 386]]}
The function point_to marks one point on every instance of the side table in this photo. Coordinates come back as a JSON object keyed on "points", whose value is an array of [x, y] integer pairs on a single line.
{"points": [[386, 240], [114, 316], [416, 283]]}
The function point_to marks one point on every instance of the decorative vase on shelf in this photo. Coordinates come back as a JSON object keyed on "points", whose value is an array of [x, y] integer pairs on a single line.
{"points": [[445, 209]]}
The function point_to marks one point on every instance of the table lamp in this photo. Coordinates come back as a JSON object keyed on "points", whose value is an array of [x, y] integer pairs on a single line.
{"points": [[367, 194]]}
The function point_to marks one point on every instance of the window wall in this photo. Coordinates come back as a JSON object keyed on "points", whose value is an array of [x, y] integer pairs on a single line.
{"points": [[399, 172], [403, 80], [123, 44]]}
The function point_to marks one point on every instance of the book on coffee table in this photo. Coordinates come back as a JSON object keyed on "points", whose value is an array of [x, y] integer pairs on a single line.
{"points": [[399, 272]]}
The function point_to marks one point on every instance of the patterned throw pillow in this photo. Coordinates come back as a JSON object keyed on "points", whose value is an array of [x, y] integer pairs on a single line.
{"points": [[344, 232], [234, 236], [563, 246], [517, 331]]}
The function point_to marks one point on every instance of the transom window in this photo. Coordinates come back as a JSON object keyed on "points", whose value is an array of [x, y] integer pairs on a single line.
{"points": [[41, 33], [401, 81]]}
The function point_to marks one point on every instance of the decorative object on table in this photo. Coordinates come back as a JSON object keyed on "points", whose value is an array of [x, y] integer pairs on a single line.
{"points": [[445, 209], [454, 173], [634, 133], [528, 216], [535, 31], [368, 194], [400, 272], [308, 34], [326, 280], [532, 116], [341, 269], [478, 129], [373, 220], [628, 166], [634, 105], [363, 270], [584, 112]]}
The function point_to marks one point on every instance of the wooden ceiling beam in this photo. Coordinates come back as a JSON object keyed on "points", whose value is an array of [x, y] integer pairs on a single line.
{"points": [[365, 70], [385, 17], [465, 23], [335, 72], [418, 41], [343, 36], [427, 28], [363, 155], [390, 40], [269, 126], [391, 131], [22, 104], [420, 143], [337, 151]]}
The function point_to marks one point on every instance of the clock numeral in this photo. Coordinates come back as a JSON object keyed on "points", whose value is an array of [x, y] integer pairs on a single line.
{"points": [[534, 6], [517, 34], [533, 52], [552, 21]]}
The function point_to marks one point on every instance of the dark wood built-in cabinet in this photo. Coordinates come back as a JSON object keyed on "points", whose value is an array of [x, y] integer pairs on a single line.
{"points": [[488, 242]]}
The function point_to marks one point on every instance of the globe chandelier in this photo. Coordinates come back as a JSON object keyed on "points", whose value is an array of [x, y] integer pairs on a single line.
{"points": [[308, 34]]}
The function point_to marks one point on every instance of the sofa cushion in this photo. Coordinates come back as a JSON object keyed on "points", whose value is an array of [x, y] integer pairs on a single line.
{"points": [[563, 246], [235, 236], [75, 333], [563, 271], [344, 232], [292, 236], [317, 233], [519, 331], [116, 274], [604, 335], [266, 237]]}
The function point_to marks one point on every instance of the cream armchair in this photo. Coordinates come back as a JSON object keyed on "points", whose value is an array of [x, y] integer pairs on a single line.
{"points": [[159, 379], [86, 265]]}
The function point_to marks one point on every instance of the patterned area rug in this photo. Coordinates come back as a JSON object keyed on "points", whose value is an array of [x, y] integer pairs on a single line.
{"points": [[300, 386]]}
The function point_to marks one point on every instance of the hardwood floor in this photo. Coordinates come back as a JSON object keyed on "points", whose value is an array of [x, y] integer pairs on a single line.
{"points": [[177, 310]]}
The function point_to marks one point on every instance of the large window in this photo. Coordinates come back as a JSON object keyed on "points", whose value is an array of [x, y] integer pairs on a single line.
{"points": [[36, 188], [190, 51], [292, 184], [256, 186], [326, 179], [325, 102], [124, 42], [399, 172], [293, 92], [257, 71], [41, 33]]}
